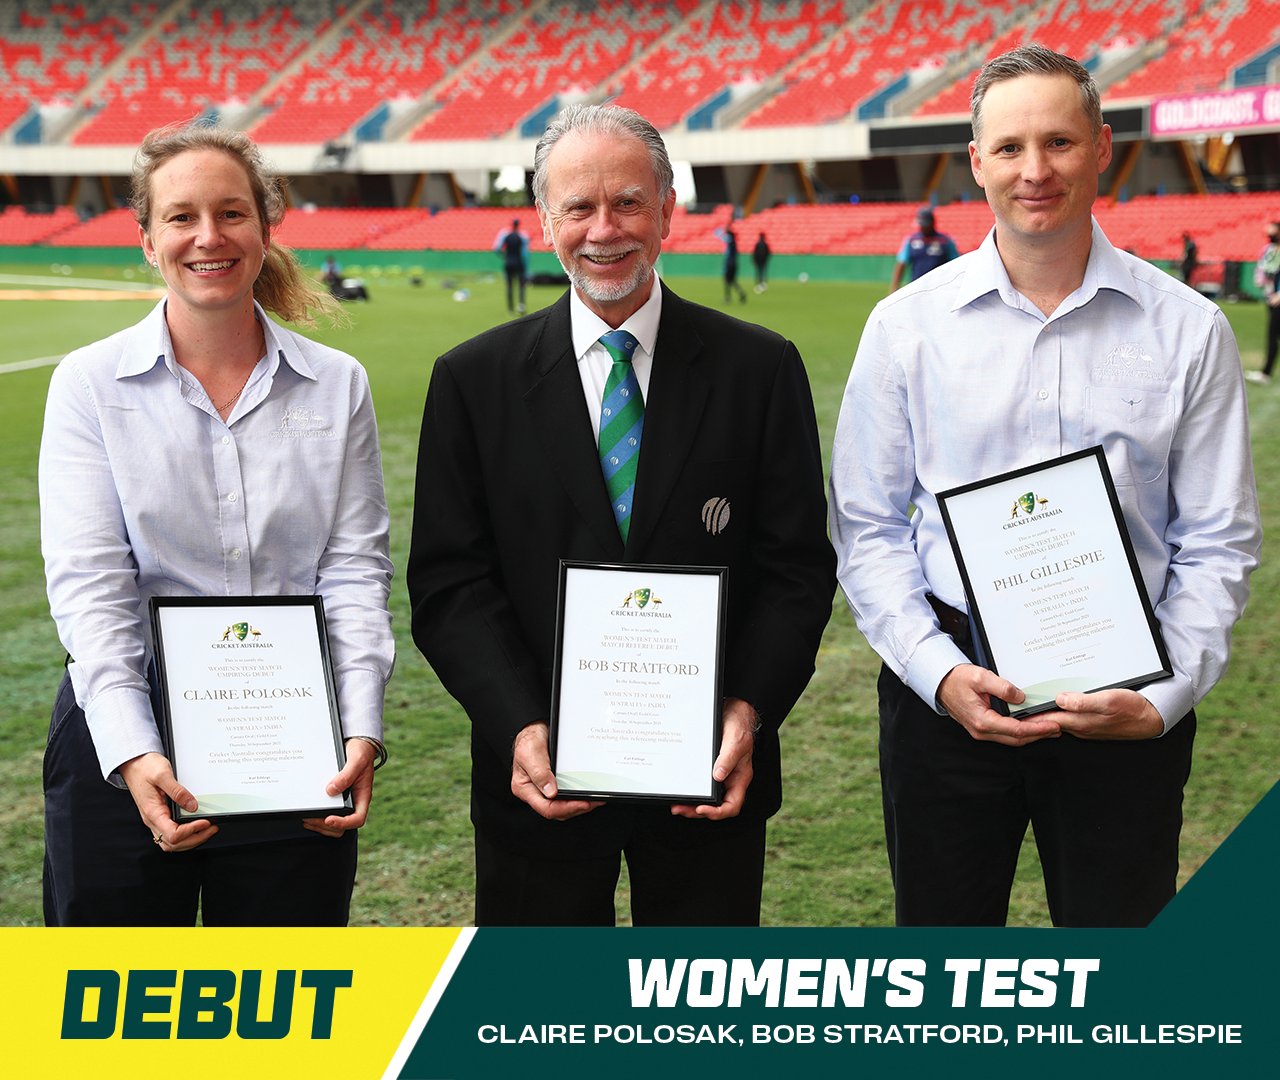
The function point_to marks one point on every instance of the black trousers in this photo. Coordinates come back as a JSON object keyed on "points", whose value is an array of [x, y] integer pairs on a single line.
{"points": [[713, 884], [1273, 338], [515, 280], [101, 867], [1106, 818]]}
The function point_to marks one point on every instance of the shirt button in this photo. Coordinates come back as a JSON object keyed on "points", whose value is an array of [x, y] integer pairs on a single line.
{"points": [[231, 497], [226, 439], [237, 553], [1041, 394]]}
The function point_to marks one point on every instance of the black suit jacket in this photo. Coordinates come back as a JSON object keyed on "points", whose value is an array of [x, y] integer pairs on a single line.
{"points": [[509, 483]]}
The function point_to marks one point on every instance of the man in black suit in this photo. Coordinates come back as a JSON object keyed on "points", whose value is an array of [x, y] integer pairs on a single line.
{"points": [[510, 482]]}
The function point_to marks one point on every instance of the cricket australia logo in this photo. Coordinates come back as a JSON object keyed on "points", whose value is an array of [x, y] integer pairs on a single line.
{"points": [[239, 631], [1027, 504], [642, 597]]}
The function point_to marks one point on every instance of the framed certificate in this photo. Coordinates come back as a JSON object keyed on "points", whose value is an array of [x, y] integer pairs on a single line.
{"points": [[1052, 582], [636, 698], [248, 711]]}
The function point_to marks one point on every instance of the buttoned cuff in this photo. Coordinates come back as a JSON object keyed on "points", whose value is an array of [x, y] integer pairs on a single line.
{"points": [[932, 661], [1173, 699], [360, 696], [122, 726]]}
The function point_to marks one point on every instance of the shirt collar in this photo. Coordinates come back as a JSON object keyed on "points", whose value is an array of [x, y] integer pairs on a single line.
{"points": [[587, 326], [986, 273], [155, 347]]}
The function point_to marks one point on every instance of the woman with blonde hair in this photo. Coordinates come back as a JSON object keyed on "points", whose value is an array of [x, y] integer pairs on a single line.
{"points": [[172, 464]]}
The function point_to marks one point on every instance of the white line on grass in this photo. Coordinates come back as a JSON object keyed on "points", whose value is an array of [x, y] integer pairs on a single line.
{"points": [[27, 365], [64, 282]]}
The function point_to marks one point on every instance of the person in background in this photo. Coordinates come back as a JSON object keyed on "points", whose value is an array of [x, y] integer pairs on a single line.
{"points": [[1265, 276], [760, 256], [729, 238], [513, 246], [1190, 258], [331, 273], [922, 251], [169, 467]]}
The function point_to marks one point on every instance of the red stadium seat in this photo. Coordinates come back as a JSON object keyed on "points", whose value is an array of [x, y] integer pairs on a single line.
{"points": [[886, 44], [561, 48], [208, 58]]}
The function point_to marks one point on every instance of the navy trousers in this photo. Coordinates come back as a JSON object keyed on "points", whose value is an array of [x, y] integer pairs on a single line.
{"points": [[101, 867]]}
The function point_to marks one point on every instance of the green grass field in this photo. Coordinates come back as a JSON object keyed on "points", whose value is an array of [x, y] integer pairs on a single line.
{"points": [[826, 863]]}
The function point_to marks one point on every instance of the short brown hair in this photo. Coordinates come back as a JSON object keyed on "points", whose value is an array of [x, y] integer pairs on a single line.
{"points": [[1034, 59]]}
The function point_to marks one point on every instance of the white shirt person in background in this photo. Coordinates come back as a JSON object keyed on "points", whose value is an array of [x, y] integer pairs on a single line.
{"points": [[1043, 341], [206, 451]]}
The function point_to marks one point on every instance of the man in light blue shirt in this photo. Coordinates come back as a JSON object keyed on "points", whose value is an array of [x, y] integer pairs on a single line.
{"points": [[1043, 341]]}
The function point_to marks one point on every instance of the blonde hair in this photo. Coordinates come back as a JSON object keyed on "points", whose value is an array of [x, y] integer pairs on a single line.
{"points": [[282, 286]]}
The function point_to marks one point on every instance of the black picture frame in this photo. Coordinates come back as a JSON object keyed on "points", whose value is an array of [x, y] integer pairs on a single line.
{"points": [[627, 575], [326, 718], [1004, 665]]}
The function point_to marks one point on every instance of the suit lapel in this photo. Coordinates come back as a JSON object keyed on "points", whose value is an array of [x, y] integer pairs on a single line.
{"points": [[678, 392], [554, 400]]}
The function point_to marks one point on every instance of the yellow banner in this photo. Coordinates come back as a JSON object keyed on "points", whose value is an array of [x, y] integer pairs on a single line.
{"points": [[238, 1003]]}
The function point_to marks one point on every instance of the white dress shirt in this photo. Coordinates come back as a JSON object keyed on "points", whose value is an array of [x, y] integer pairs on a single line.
{"points": [[594, 361], [958, 377], [145, 491]]}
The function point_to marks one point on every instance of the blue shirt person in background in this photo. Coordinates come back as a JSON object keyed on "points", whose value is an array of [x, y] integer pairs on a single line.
{"points": [[924, 250]]}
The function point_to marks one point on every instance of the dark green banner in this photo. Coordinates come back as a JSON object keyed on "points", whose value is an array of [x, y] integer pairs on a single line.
{"points": [[1191, 995]]}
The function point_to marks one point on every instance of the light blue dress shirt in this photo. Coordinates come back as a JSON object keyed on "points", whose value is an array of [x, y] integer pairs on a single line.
{"points": [[145, 491], [958, 377]]}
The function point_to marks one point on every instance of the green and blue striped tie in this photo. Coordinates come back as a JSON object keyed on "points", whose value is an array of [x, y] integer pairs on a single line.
{"points": [[621, 424]]}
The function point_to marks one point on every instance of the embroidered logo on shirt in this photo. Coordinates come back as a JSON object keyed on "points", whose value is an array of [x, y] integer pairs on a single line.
{"points": [[302, 422], [1127, 361]]}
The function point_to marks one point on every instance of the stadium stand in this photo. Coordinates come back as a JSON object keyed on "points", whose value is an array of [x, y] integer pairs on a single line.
{"points": [[563, 49], [216, 55], [1204, 51], [17, 226], [390, 53], [115, 228], [50, 52], [316, 70], [1085, 29], [342, 229], [471, 229], [891, 43], [724, 47], [1226, 227]]}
